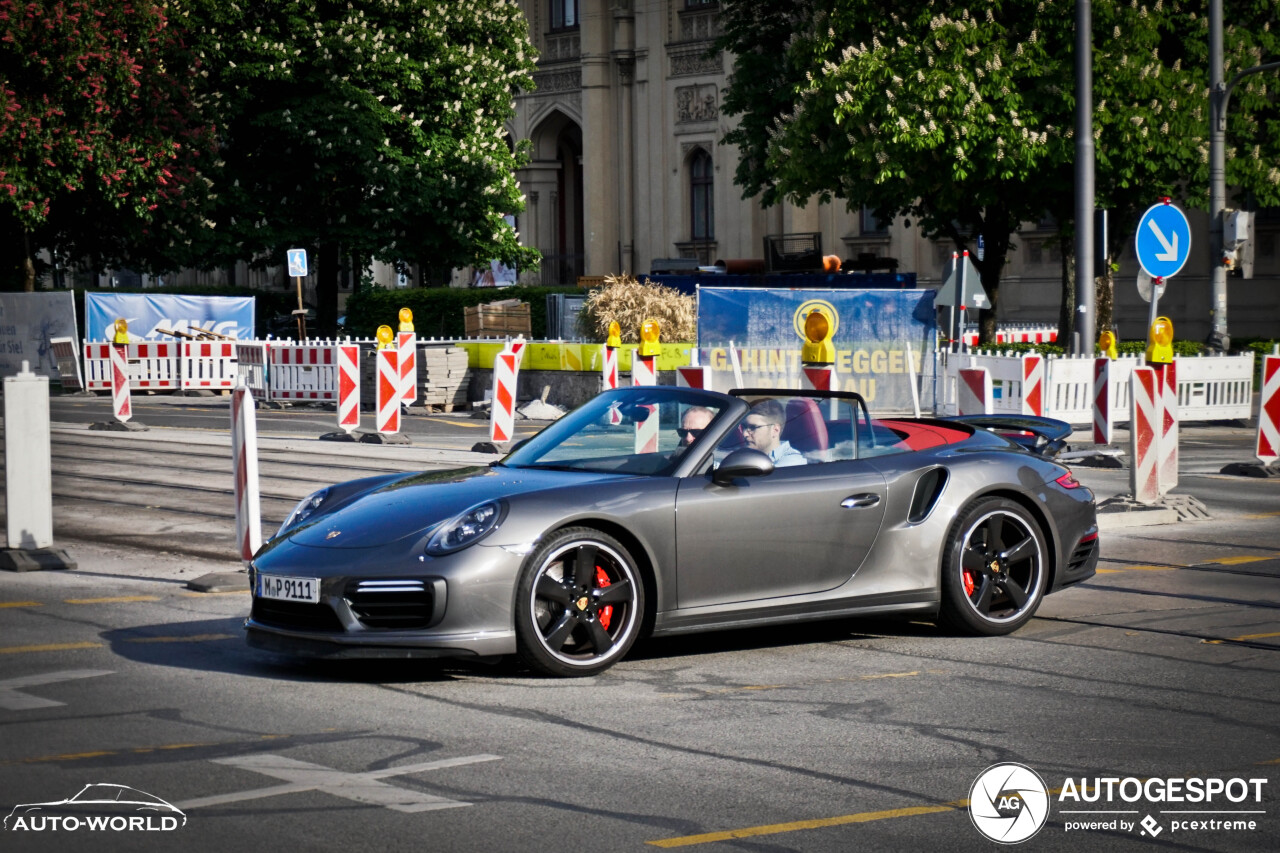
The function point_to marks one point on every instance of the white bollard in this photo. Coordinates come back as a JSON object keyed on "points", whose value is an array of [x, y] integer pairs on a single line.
{"points": [[27, 456], [244, 462]]}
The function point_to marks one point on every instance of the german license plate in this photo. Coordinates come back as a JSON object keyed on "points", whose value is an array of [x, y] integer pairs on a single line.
{"points": [[284, 588]]}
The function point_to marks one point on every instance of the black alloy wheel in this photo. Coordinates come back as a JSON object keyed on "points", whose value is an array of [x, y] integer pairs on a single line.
{"points": [[579, 604], [994, 568]]}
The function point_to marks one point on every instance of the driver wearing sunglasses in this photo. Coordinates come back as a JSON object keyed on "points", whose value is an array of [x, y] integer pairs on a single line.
{"points": [[695, 420]]}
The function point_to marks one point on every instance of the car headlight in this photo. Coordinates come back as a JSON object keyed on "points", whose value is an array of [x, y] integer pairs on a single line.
{"points": [[465, 529], [305, 509]]}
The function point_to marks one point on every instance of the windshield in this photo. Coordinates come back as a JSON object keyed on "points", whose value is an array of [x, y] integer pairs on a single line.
{"points": [[628, 431]]}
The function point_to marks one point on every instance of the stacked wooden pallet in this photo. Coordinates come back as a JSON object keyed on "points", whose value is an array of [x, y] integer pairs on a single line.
{"points": [[443, 375]]}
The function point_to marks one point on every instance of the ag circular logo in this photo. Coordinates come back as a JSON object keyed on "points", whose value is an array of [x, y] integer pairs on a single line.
{"points": [[1008, 803]]}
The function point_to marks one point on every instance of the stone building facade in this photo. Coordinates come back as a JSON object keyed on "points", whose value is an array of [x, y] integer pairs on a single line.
{"points": [[628, 167]]}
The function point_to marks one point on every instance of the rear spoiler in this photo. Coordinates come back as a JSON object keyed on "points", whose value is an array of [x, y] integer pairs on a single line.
{"points": [[1043, 436]]}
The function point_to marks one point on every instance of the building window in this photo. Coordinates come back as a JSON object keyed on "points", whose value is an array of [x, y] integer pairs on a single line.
{"points": [[701, 4], [564, 14], [870, 225], [702, 207]]}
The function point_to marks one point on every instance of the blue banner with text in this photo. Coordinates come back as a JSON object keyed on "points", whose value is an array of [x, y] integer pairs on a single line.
{"points": [[881, 342]]}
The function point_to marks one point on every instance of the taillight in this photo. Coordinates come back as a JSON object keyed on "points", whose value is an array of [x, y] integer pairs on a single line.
{"points": [[1068, 481]]}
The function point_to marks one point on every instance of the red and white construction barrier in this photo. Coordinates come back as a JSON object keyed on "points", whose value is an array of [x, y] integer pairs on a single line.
{"points": [[644, 371], [304, 372], [251, 368], [407, 346], [694, 377], [208, 365], [121, 402], [1144, 435], [974, 393], [609, 368], [67, 355], [1268, 448], [1102, 425], [1033, 385], [502, 416], [1167, 380], [389, 391], [820, 377], [244, 460], [348, 386], [151, 366]]}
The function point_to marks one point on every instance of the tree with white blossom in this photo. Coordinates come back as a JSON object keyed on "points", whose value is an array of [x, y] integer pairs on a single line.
{"points": [[962, 120], [366, 129]]}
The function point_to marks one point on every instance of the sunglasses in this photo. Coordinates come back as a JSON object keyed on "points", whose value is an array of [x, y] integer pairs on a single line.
{"points": [[754, 427], [685, 433]]}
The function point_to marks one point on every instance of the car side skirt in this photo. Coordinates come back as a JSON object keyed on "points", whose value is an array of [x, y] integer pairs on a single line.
{"points": [[772, 613]]}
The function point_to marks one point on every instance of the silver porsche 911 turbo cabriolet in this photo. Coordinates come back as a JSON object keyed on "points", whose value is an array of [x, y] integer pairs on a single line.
{"points": [[659, 510]]}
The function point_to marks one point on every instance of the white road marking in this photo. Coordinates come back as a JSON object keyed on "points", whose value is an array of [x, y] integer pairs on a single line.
{"points": [[362, 787], [12, 699]]}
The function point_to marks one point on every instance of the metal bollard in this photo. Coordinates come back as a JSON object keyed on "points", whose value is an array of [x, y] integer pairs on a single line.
{"points": [[29, 475]]}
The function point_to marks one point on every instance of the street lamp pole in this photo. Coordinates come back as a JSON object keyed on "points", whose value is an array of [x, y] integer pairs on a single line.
{"points": [[1082, 343], [1219, 339]]}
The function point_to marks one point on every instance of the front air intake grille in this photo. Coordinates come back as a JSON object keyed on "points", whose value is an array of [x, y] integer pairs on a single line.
{"points": [[1081, 555], [403, 604], [298, 616]]}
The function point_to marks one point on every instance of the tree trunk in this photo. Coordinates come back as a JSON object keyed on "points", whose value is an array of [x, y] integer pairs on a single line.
{"points": [[327, 262], [1067, 308], [28, 265], [1105, 300]]}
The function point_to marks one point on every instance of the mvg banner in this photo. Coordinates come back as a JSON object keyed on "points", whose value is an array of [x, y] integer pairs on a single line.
{"points": [[226, 315]]}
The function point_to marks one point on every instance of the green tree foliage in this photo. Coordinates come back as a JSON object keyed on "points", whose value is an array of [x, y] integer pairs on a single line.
{"points": [[99, 140], [367, 129], [963, 119]]}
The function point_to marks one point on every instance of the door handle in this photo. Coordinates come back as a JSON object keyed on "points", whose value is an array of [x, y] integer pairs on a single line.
{"points": [[860, 501]]}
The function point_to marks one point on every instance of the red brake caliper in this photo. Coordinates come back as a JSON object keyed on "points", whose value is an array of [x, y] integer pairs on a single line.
{"points": [[606, 612], [968, 582]]}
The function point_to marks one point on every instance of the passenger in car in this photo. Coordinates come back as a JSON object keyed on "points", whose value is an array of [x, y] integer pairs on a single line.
{"points": [[762, 430], [695, 420]]}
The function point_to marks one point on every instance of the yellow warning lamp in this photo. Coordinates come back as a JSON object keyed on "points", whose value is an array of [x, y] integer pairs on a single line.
{"points": [[1107, 344], [122, 331], [615, 335], [406, 320], [385, 336], [649, 338], [818, 349], [1160, 342]]}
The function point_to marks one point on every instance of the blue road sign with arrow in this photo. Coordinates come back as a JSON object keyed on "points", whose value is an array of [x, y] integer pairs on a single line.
{"points": [[1163, 241]]}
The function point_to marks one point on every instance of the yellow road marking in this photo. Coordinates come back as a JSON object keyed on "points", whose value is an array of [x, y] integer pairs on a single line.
{"points": [[118, 599], [1243, 638], [191, 638], [819, 823], [1264, 515], [49, 647], [1235, 561], [140, 750], [20, 604]]}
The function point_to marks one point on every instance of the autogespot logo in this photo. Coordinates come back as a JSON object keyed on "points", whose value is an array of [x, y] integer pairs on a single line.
{"points": [[1008, 803]]}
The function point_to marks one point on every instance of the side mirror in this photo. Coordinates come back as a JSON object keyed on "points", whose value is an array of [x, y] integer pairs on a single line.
{"points": [[741, 463]]}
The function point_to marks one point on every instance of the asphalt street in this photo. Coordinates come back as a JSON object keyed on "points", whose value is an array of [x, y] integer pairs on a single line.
{"points": [[859, 734]]}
